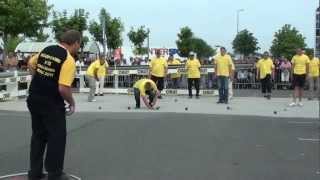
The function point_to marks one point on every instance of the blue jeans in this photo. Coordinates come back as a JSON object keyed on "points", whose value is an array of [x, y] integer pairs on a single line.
{"points": [[223, 83]]}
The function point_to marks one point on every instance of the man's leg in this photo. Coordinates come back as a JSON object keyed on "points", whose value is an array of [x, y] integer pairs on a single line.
{"points": [[268, 86], [317, 88], [263, 87], [38, 141], [220, 87], [92, 86], [311, 87], [230, 87], [137, 97], [57, 132], [226, 90], [101, 80], [97, 87], [190, 87], [197, 86]]}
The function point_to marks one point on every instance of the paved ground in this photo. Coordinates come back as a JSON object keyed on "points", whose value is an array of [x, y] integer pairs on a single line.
{"points": [[207, 142]]}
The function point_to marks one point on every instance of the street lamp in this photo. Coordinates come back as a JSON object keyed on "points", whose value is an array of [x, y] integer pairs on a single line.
{"points": [[238, 14]]}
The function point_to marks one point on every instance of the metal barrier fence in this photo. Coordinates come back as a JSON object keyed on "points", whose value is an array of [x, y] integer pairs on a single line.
{"points": [[121, 80], [244, 77]]}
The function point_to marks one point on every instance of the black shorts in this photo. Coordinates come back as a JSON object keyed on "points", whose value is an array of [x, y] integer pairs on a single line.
{"points": [[159, 82], [299, 80]]}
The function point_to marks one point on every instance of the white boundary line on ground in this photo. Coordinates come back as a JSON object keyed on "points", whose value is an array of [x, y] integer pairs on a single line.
{"points": [[25, 173], [309, 140], [297, 122]]}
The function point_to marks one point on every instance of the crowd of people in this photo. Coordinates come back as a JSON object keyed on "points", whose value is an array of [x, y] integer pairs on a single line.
{"points": [[264, 72]]}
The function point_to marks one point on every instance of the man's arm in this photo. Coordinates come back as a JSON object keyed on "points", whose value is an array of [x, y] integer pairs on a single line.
{"points": [[32, 64], [146, 102], [66, 78], [95, 74]]}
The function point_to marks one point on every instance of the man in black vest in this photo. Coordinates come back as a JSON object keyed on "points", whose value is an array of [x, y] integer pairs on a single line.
{"points": [[53, 72]]}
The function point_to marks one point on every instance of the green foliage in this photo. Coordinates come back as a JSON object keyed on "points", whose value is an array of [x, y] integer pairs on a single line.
{"points": [[201, 47], [113, 30], [245, 43], [187, 42], [12, 43], [184, 42], [40, 37], [25, 17], [61, 22], [309, 51], [113, 33], [96, 31], [137, 37], [286, 41]]}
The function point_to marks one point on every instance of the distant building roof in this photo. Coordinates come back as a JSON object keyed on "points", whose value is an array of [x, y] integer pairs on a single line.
{"points": [[34, 47]]}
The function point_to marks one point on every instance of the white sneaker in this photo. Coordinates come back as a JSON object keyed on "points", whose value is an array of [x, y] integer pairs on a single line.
{"points": [[292, 104], [300, 104]]}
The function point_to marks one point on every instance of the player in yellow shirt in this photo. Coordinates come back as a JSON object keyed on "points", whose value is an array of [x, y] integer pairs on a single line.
{"points": [[223, 66], [314, 84], [265, 73], [147, 90], [175, 78], [193, 72], [300, 66], [158, 71], [93, 76], [102, 72]]}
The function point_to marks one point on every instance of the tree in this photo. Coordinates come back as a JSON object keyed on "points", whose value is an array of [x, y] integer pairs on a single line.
{"points": [[13, 42], [245, 43], [187, 43], [137, 37], [286, 41], [61, 22], [309, 51], [113, 34], [78, 21], [113, 30], [22, 17], [201, 48], [184, 41]]}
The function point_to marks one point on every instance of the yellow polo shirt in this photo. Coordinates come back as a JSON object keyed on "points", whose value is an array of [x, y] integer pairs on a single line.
{"points": [[314, 67], [193, 68], [101, 69], [158, 67], [175, 62], [265, 67], [222, 65], [140, 84], [300, 64]]}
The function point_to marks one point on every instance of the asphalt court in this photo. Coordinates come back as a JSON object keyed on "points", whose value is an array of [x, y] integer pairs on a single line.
{"points": [[164, 145]]}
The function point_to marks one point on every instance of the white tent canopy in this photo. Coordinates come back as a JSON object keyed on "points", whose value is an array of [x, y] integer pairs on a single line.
{"points": [[34, 47]]}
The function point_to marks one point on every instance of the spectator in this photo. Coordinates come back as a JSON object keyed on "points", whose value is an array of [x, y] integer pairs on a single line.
{"points": [[23, 65], [224, 71], [285, 68], [11, 62], [136, 61], [158, 70], [193, 71], [300, 66], [175, 77], [265, 73], [314, 67], [1, 57]]}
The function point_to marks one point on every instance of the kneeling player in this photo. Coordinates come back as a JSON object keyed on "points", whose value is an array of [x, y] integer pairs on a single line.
{"points": [[147, 90]]}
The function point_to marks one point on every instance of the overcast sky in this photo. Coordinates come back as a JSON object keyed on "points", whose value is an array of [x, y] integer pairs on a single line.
{"points": [[212, 20]]}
